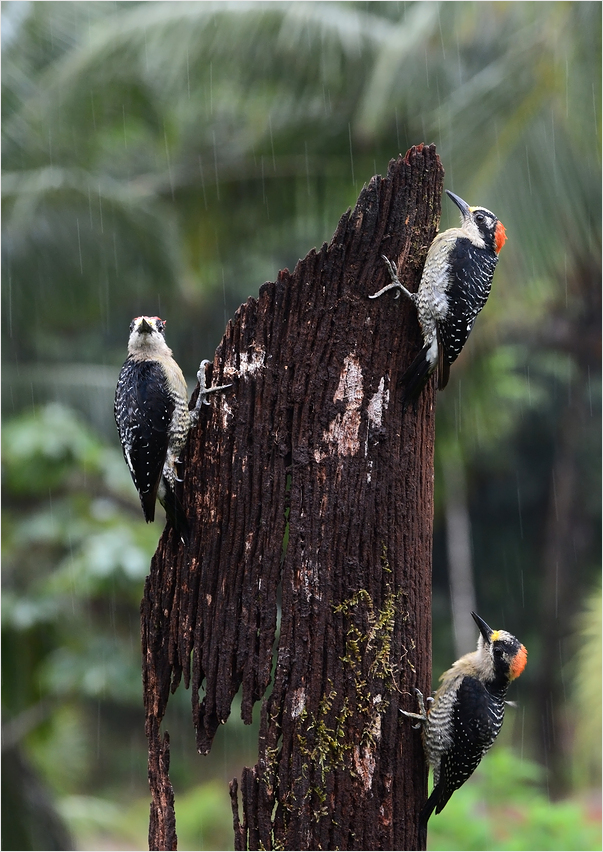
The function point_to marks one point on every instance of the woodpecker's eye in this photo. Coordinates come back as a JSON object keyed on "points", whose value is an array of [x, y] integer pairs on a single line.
{"points": [[132, 324], [498, 652], [479, 218]]}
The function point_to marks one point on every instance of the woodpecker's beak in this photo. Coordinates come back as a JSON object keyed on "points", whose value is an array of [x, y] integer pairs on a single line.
{"points": [[483, 627], [462, 205], [144, 327]]}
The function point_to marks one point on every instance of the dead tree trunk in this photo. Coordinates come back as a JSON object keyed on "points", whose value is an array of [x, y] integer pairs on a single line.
{"points": [[313, 497]]}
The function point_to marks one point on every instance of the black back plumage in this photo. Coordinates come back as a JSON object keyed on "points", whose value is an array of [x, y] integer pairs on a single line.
{"points": [[472, 270], [143, 412], [477, 720]]}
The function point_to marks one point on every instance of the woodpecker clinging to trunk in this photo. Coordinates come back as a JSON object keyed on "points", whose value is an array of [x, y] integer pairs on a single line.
{"points": [[153, 418], [454, 287], [467, 713]]}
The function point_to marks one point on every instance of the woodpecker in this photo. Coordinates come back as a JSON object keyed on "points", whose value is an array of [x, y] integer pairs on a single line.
{"points": [[153, 418], [466, 713], [454, 288]]}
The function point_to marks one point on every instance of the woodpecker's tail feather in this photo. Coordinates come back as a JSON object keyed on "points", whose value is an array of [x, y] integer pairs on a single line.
{"points": [[422, 844], [426, 811], [147, 501], [416, 376], [174, 511]]}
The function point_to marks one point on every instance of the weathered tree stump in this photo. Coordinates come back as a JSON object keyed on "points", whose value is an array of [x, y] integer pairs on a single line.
{"points": [[310, 496]]}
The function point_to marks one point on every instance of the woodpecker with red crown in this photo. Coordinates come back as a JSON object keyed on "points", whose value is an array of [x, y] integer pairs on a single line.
{"points": [[153, 418], [454, 287], [466, 713]]}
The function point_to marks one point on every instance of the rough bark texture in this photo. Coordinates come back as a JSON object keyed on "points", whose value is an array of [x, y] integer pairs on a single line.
{"points": [[311, 499]]}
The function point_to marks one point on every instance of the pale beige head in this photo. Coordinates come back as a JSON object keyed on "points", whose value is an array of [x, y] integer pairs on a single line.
{"points": [[500, 651], [147, 337], [481, 225]]}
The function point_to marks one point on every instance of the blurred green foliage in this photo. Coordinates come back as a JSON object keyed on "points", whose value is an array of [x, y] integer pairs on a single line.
{"points": [[204, 820], [74, 558], [585, 674], [503, 807], [75, 554]]}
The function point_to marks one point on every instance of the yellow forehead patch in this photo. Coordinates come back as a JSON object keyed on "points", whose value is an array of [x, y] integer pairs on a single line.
{"points": [[495, 635]]}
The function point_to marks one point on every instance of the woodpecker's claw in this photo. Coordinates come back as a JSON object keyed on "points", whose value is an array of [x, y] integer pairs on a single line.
{"points": [[421, 715], [422, 719], [203, 390], [392, 271], [395, 283]]}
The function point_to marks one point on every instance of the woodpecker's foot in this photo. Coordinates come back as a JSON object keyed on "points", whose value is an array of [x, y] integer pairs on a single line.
{"points": [[203, 390], [421, 715], [395, 283]]}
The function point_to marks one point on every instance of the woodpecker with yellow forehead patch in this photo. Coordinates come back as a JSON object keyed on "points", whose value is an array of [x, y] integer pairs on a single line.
{"points": [[466, 713], [454, 287], [153, 418]]}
